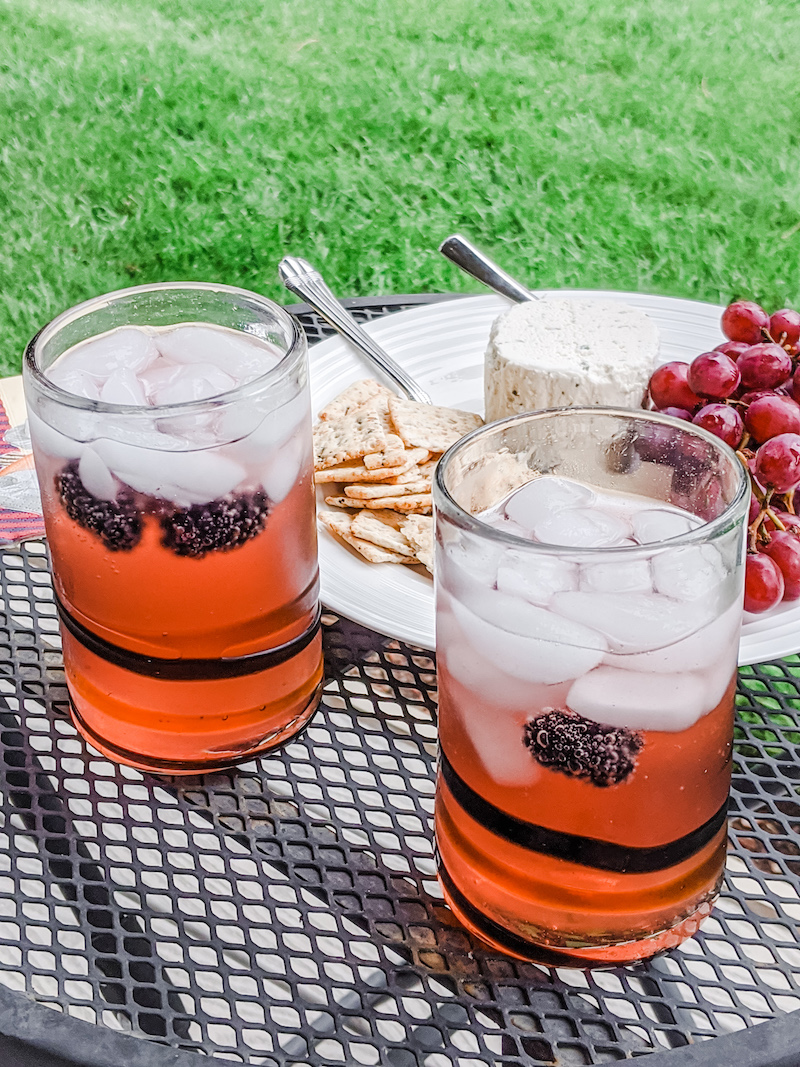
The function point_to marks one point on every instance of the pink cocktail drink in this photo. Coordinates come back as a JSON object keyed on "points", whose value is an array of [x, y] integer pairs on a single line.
{"points": [[587, 638], [175, 465]]}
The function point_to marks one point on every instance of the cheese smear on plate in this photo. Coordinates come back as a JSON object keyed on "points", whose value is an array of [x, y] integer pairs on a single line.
{"points": [[568, 353]]}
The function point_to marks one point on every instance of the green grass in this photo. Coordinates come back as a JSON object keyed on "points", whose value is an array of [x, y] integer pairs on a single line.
{"points": [[585, 143]]}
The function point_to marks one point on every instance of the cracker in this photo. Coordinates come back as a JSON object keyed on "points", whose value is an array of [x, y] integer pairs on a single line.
{"points": [[374, 491], [418, 531], [341, 525], [428, 466], [380, 405], [346, 502], [350, 473], [354, 396], [413, 502], [430, 426], [341, 440], [382, 528], [393, 454]]}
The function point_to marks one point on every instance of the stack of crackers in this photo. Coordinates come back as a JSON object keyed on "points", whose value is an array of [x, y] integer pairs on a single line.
{"points": [[380, 451]]}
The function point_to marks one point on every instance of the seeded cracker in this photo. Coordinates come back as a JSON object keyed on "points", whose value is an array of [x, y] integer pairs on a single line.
{"points": [[341, 525], [342, 440], [351, 473], [429, 426], [418, 531], [383, 529], [355, 396], [347, 502], [374, 492], [393, 454], [422, 502]]}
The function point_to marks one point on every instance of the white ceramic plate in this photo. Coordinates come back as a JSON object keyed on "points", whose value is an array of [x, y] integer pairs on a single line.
{"points": [[442, 346]]}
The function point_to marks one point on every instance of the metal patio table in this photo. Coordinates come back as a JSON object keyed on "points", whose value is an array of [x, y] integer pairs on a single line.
{"points": [[287, 912]]}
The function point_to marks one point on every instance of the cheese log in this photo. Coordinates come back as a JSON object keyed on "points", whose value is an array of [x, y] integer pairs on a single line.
{"points": [[568, 353]]}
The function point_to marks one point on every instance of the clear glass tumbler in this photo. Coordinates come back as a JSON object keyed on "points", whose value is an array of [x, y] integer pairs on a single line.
{"points": [[589, 577], [182, 535]]}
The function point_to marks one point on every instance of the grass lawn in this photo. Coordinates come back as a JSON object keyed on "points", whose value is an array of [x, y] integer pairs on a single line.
{"points": [[651, 145]]}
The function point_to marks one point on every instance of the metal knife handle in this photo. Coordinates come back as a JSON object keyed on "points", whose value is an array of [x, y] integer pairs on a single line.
{"points": [[465, 255], [301, 278]]}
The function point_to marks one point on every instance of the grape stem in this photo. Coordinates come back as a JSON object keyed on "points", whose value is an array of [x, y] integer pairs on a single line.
{"points": [[774, 516], [754, 529]]}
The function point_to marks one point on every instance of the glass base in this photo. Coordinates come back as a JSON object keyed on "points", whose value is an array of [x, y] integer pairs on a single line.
{"points": [[216, 762], [506, 941]]}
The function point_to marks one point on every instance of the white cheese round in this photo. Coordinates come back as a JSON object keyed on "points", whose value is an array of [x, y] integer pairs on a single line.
{"points": [[568, 353]]}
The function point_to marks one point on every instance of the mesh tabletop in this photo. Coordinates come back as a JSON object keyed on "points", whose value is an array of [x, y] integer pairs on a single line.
{"points": [[287, 912]]}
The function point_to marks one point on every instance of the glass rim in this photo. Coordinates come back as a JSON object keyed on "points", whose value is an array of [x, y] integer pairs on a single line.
{"points": [[77, 311], [445, 503]]}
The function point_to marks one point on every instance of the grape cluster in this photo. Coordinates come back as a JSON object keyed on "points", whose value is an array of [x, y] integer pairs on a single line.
{"points": [[747, 393]]}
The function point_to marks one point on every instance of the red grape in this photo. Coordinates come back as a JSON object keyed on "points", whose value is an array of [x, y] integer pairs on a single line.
{"points": [[755, 508], [764, 366], [754, 394], [669, 387], [678, 413], [784, 327], [744, 321], [723, 421], [790, 521], [763, 583], [713, 374], [734, 349], [770, 415], [784, 549], [777, 463]]}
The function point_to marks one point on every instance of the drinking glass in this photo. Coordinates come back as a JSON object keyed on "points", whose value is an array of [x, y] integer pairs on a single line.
{"points": [[182, 535], [586, 689]]}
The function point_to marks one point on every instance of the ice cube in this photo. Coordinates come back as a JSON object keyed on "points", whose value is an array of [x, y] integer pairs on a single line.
{"points": [[633, 622], [158, 374], [658, 524], [51, 442], [549, 653], [535, 576], [470, 565], [618, 576], [123, 387], [129, 347], [640, 701], [254, 433], [201, 476], [282, 469], [96, 476], [691, 573], [581, 528], [536, 501], [706, 647], [240, 357], [195, 381], [74, 381], [495, 727]]}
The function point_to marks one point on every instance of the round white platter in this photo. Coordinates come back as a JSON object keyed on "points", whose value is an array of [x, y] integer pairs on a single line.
{"points": [[442, 346]]}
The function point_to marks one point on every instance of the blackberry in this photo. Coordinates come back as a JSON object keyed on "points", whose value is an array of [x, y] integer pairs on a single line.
{"points": [[217, 526], [117, 522], [581, 748]]}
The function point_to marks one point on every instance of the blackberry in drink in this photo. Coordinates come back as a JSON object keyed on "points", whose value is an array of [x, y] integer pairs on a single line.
{"points": [[588, 615], [172, 435]]}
